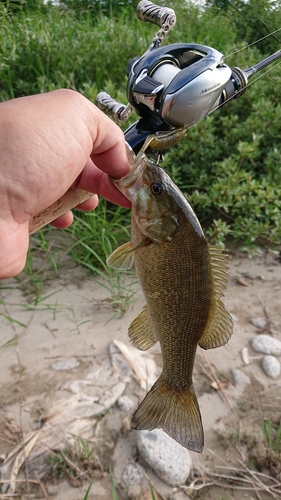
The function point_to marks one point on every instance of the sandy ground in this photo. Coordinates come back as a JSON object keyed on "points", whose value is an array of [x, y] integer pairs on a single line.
{"points": [[74, 319]]}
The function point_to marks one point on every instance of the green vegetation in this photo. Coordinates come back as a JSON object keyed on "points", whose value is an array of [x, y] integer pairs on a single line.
{"points": [[228, 165], [76, 463], [95, 235], [272, 436]]}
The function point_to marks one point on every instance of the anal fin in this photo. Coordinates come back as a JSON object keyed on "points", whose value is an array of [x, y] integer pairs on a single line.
{"points": [[219, 327], [140, 332]]}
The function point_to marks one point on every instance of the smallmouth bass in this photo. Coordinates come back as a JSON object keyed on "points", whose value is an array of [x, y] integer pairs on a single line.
{"points": [[182, 278]]}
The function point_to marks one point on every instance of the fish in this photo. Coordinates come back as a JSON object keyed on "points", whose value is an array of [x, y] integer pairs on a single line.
{"points": [[182, 278]]}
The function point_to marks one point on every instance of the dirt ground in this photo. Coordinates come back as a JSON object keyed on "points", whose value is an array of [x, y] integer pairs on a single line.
{"points": [[74, 319]]}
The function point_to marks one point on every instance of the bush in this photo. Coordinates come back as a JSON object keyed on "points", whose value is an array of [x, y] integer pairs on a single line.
{"points": [[229, 164]]}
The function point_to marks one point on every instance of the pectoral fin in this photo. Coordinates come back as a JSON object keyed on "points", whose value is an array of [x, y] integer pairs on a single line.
{"points": [[219, 327], [122, 257], [140, 333]]}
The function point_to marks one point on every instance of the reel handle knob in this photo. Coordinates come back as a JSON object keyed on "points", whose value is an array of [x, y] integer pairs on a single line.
{"points": [[152, 13], [119, 112]]}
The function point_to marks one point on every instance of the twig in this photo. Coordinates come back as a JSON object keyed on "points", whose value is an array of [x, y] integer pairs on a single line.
{"points": [[72, 464], [270, 478], [21, 424], [268, 320], [217, 380], [257, 485], [69, 356], [232, 478], [50, 330], [192, 486], [3, 481], [9, 496], [42, 486], [149, 480], [260, 483], [216, 455]]}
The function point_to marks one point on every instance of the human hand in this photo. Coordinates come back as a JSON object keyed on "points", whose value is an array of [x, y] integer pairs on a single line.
{"points": [[49, 142]]}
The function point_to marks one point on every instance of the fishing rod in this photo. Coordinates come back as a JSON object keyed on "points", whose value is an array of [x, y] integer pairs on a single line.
{"points": [[171, 88], [175, 86]]}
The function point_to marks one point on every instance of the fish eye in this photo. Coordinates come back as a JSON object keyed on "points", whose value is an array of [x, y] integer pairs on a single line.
{"points": [[157, 188]]}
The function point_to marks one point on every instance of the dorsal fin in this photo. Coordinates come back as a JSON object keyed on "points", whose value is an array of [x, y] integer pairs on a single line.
{"points": [[219, 327]]}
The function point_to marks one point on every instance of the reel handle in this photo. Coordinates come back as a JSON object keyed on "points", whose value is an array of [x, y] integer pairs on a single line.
{"points": [[152, 13]]}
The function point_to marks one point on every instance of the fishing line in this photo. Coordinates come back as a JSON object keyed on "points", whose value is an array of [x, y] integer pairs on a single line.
{"points": [[253, 43], [260, 76]]}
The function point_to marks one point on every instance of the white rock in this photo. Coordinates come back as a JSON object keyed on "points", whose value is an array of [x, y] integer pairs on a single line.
{"points": [[260, 323], [134, 491], [66, 364], [179, 496], [245, 356], [169, 460], [266, 344], [240, 377], [234, 318], [125, 404], [271, 366], [132, 475]]}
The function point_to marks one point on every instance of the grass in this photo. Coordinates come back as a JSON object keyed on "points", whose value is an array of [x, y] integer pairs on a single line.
{"points": [[272, 436], [95, 235], [51, 48], [88, 242], [113, 487], [42, 265], [77, 464]]}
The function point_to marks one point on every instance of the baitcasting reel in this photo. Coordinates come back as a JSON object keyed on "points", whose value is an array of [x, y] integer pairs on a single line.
{"points": [[177, 85]]}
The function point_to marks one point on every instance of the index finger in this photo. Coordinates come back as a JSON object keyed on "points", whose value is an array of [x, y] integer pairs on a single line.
{"points": [[97, 181]]}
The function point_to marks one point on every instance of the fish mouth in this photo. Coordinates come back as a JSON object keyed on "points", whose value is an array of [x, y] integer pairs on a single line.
{"points": [[133, 179]]}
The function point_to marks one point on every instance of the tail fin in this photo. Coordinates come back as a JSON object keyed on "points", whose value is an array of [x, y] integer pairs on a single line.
{"points": [[176, 412]]}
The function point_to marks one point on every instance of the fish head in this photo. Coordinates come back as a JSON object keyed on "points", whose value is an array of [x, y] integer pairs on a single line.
{"points": [[155, 209]]}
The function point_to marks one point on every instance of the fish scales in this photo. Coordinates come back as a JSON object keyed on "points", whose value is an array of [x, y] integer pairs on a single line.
{"points": [[176, 284], [182, 278]]}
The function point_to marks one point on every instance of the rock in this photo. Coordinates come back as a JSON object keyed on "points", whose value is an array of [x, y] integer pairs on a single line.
{"points": [[266, 344], [132, 475], [179, 496], [134, 491], [66, 364], [259, 323], [271, 366], [240, 377], [245, 356], [235, 318], [127, 423], [169, 460], [242, 282], [119, 363], [125, 404]]}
